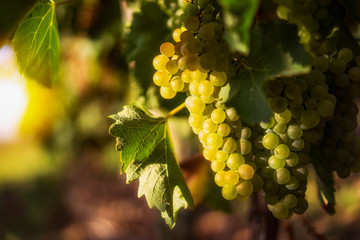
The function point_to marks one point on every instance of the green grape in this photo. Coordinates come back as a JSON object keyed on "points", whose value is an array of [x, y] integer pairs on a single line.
{"points": [[191, 23], [196, 120], [210, 126], [211, 46], [293, 183], [271, 199], [214, 140], [186, 36], [229, 192], [167, 49], [229, 145], [321, 63], [218, 115], [297, 102], [171, 67], [292, 160], [345, 54], [282, 151], [245, 132], [326, 47], [246, 171], [218, 79], [354, 73], [161, 78], [207, 60], [160, 61], [275, 162], [223, 63], [203, 3], [270, 186], [207, 31], [207, 100], [220, 178], [223, 129], [231, 177], [245, 146], [181, 62], [191, 46], [279, 128], [274, 87], [194, 88], [310, 103], [167, 92], [192, 9], [301, 206], [294, 131], [279, 211], [231, 114], [325, 108], [267, 125], [192, 62], [202, 136], [342, 80], [267, 172], [278, 104], [176, 36], [300, 172], [292, 91], [337, 65], [297, 145], [218, 166], [281, 176], [270, 141], [210, 153], [194, 105], [245, 188], [319, 92], [198, 75], [257, 182], [205, 88], [289, 200], [261, 159], [177, 84], [283, 117], [310, 118], [222, 156], [234, 161], [317, 76], [177, 49]]}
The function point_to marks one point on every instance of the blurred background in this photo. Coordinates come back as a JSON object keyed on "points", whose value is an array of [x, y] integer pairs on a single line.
{"points": [[59, 171]]}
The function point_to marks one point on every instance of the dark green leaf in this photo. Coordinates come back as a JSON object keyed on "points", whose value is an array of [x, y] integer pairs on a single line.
{"points": [[36, 44], [325, 183], [275, 50], [148, 30], [147, 154], [239, 16], [11, 14], [354, 7]]}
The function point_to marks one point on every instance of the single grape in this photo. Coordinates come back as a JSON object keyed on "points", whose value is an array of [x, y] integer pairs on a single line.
{"points": [[167, 92], [293, 183], [345, 54], [279, 211], [321, 63], [210, 126], [281, 176], [231, 114], [282, 151], [246, 171], [270, 141], [205, 88], [245, 188], [218, 166], [223, 129], [229, 145], [196, 120], [192, 9], [257, 182], [231, 177], [278, 104], [342, 80], [192, 62], [294, 131], [171, 67], [176, 34], [210, 153], [229, 192], [301, 206], [198, 75], [354, 73], [289, 200], [218, 78], [283, 117], [177, 84], [192, 23], [222, 156], [275, 162], [220, 178], [292, 160], [207, 60], [245, 146], [194, 88], [337, 65], [194, 104], [218, 115], [160, 61], [167, 49], [214, 140], [161, 78], [325, 108]]}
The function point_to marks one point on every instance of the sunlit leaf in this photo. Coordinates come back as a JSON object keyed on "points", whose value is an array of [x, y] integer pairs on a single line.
{"points": [[275, 50], [147, 154], [36, 43]]}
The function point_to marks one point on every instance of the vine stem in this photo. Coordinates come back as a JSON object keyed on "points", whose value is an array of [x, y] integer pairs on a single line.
{"points": [[175, 110]]}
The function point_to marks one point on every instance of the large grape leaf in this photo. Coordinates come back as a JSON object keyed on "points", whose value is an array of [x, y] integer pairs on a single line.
{"points": [[275, 50], [147, 154], [239, 17], [148, 30], [36, 44], [325, 183], [11, 14]]}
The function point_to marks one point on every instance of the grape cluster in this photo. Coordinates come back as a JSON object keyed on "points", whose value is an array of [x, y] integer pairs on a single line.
{"points": [[340, 147], [312, 109], [314, 19]]}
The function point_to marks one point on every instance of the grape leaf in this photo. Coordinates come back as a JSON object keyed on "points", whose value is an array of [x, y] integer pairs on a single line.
{"points": [[11, 14], [239, 16], [148, 30], [275, 50], [36, 44], [147, 154], [325, 183]]}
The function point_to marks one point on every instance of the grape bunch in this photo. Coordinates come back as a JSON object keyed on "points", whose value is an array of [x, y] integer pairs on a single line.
{"points": [[269, 156]]}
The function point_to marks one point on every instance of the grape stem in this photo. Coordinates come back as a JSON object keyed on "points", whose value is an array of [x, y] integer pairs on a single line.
{"points": [[175, 110]]}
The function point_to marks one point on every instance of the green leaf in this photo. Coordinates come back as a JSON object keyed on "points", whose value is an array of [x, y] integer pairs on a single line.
{"points": [[36, 44], [147, 154], [11, 14], [275, 50], [354, 7], [148, 30], [239, 16], [325, 183]]}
